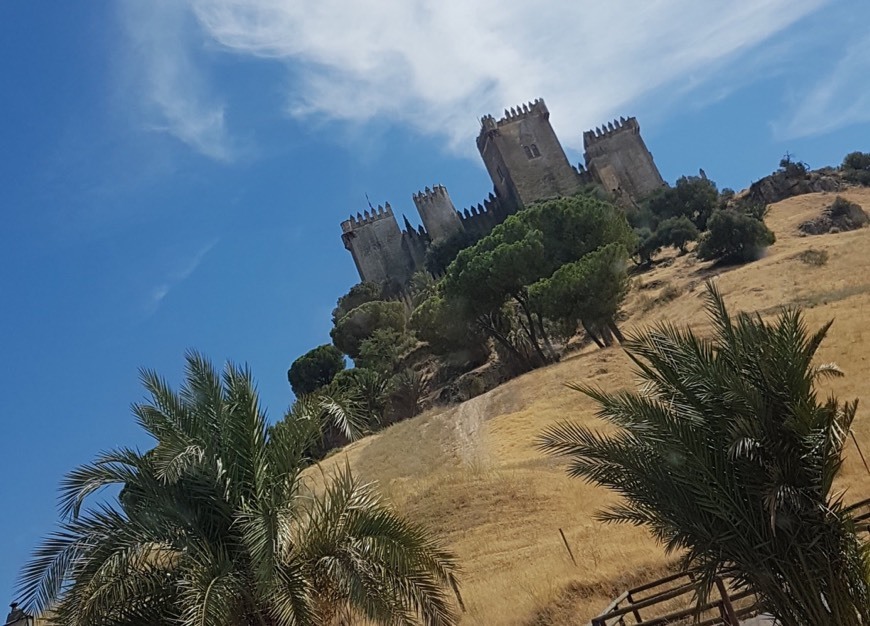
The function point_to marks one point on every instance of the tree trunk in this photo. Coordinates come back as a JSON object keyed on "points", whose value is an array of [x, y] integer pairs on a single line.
{"points": [[546, 337], [592, 335], [606, 335], [533, 336], [490, 330], [618, 333]]}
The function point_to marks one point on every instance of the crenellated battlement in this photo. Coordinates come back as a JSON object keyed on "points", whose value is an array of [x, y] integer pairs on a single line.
{"points": [[437, 212], [489, 205], [536, 107], [617, 158], [482, 217], [366, 217], [436, 194], [591, 137]]}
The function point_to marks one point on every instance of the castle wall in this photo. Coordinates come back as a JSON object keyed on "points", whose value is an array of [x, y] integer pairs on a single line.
{"points": [[376, 244], [481, 219], [438, 213], [524, 157], [415, 243], [618, 158]]}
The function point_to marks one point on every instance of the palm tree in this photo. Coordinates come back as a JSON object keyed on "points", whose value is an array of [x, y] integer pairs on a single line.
{"points": [[727, 454], [217, 525]]}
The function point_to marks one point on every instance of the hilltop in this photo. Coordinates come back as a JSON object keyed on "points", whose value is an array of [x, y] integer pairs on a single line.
{"points": [[471, 471]]}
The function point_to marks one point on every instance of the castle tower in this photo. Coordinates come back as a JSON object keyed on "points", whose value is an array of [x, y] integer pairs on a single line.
{"points": [[618, 158], [376, 244], [524, 158], [438, 213]]}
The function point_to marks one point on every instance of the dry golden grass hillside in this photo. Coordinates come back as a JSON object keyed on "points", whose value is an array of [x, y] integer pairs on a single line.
{"points": [[472, 472]]}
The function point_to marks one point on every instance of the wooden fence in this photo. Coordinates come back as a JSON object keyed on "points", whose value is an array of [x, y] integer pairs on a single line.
{"points": [[671, 600]]}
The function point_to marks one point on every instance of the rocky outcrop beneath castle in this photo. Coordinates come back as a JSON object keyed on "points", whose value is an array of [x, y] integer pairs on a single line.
{"points": [[840, 216], [792, 180], [471, 384]]}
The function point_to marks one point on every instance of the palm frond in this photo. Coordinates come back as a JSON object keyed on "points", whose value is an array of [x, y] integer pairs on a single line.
{"points": [[110, 468], [376, 561], [725, 453], [215, 525]]}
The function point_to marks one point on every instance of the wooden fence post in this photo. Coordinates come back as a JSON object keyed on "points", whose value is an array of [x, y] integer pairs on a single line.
{"points": [[568, 548], [727, 607]]}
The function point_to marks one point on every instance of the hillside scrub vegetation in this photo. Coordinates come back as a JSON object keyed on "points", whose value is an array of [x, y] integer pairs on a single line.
{"points": [[513, 300], [727, 456], [473, 472], [727, 229]]}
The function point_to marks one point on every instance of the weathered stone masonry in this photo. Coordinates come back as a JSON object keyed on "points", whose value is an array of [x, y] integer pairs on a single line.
{"points": [[526, 163]]}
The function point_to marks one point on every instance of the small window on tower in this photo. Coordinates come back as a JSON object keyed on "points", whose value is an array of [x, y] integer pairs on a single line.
{"points": [[528, 151], [535, 151], [499, 172]]}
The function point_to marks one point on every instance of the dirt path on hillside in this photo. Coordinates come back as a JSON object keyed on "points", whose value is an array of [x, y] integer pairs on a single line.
{"points": [[468, 428]]}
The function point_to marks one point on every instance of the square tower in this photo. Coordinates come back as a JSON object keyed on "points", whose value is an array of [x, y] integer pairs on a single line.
{"points": [[377, 246], [524, 158], [618, 158]]}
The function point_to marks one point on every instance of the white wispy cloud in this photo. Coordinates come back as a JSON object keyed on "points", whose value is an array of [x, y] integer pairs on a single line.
{"points": [[170, 92], [438, 65], [181, 272], [840, 98]]}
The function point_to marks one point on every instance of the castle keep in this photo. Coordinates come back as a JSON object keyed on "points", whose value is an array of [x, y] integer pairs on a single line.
{"points": [[526, 163]]}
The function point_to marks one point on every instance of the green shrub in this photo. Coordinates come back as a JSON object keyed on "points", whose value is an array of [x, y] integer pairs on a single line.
{"points": [[857, 161], [693, 197], [409, 389], [361, 323], [420, 287], [445, 326], [734, 237], [677, 232], [793, 168], [368, 389], [315, 369], [383, 350], [358, 295], [725, 197], [755, 210], [647, 245]]}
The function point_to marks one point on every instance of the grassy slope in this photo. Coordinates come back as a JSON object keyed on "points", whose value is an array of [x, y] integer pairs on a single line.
{"points": [[472, 473]]}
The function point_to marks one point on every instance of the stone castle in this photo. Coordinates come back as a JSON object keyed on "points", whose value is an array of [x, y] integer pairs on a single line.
{"points": [[526, 163]]}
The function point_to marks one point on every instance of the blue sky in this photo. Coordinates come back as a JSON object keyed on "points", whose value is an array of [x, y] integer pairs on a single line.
{"points": [[173, 172]]}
